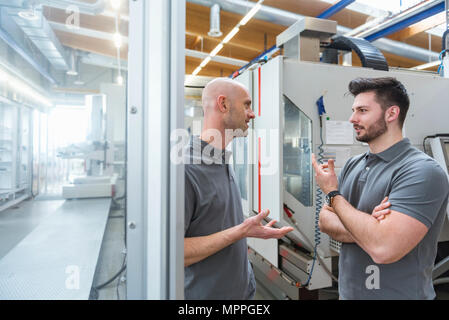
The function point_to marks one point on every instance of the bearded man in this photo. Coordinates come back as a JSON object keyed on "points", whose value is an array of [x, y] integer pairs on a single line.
{"points": [[391, 258]]}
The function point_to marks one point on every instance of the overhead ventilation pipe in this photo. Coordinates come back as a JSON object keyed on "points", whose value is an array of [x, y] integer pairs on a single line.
{"points": [[215, 21]]}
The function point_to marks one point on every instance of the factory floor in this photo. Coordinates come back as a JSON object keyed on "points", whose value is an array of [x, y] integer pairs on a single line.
{"points": [[17, 222], [21, 223]]}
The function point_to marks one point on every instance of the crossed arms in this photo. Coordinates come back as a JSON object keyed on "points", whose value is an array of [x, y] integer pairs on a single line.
{"points": [[386, 240]]}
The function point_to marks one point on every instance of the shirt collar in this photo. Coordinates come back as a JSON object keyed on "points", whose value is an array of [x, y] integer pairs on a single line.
{"points": [[208, 152], [391, 152]]}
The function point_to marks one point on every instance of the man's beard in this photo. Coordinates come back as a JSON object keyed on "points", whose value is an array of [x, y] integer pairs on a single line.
{"points": [[239, 129], [374, 131]]}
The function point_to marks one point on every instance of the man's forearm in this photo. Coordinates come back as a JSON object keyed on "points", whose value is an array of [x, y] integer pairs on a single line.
{"points": [[363, 228], [199, 248], [331, 225]]}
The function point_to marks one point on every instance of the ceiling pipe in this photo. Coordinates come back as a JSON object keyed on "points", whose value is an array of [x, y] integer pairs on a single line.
{"points": [[21, 52], [215, 21], [286, 18], [36, 28], [73, 67], [335, 8]]}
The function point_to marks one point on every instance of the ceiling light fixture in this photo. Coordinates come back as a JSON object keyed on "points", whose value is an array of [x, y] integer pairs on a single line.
{"points": [[251, 13], [72, 67], [115, 4], [117, 40], [78, 81], [216, 50], [23, 88], [120, 80], [205, 62], [427, 65], [29, 13], [230, 35], [196, 71]]}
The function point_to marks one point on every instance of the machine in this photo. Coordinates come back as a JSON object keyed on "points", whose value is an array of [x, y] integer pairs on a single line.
{"points": [[99, 180], [302, 106]]}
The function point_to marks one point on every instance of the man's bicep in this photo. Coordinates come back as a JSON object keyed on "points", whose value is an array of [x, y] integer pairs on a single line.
{"points": [[419, 192], [403, 233]]}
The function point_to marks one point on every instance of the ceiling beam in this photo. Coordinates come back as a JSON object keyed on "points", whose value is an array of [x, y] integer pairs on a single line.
{"points": [[98, 23], [419, 27], [221, 59], [213, 69], [229, 50], [99, 46]]}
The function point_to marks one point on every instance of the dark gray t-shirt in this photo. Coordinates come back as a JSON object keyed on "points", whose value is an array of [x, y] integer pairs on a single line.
{"points": [[213, 204], [416, 186]]}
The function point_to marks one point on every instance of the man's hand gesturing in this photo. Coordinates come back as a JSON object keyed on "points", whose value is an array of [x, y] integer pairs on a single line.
{"points": [[325, 175], [254, 229]]}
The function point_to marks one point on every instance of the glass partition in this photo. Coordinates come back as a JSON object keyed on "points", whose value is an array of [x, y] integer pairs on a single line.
{"points": [[297, 173]]}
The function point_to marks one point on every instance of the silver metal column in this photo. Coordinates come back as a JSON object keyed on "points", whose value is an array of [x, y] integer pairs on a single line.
{"points": [[155, 186]]}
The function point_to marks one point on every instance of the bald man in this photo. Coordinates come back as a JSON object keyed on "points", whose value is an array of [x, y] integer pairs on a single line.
{"points": [[215, 250]]}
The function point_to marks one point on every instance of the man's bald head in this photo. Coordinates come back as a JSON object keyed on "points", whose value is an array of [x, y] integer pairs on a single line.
{"points": [[226, 105], [221, 87]]}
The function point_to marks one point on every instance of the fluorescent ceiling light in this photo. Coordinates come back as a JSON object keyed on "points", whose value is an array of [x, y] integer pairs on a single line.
{"points": [[230, 35], [216, 50], [195, 72], [251, 13], [119, 80], [21, 87], [115, 4], [427, 65], [205, 61], [117, 40]]}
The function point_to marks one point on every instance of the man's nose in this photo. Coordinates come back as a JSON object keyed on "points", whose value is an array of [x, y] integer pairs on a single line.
{"points": [[352, 118], [252, 115]]}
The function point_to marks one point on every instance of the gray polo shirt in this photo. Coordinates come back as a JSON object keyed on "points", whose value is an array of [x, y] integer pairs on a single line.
{"points": [[213, 204], [418, 187]]}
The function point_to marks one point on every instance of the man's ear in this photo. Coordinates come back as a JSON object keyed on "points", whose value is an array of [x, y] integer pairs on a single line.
{"points": [[222, 103], [392, 113]]}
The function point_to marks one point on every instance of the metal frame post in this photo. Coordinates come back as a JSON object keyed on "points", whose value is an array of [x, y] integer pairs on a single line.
{"points": [[155, 195]]}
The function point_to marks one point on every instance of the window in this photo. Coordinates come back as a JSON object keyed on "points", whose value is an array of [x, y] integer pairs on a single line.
{"points": [[297, 147]]}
